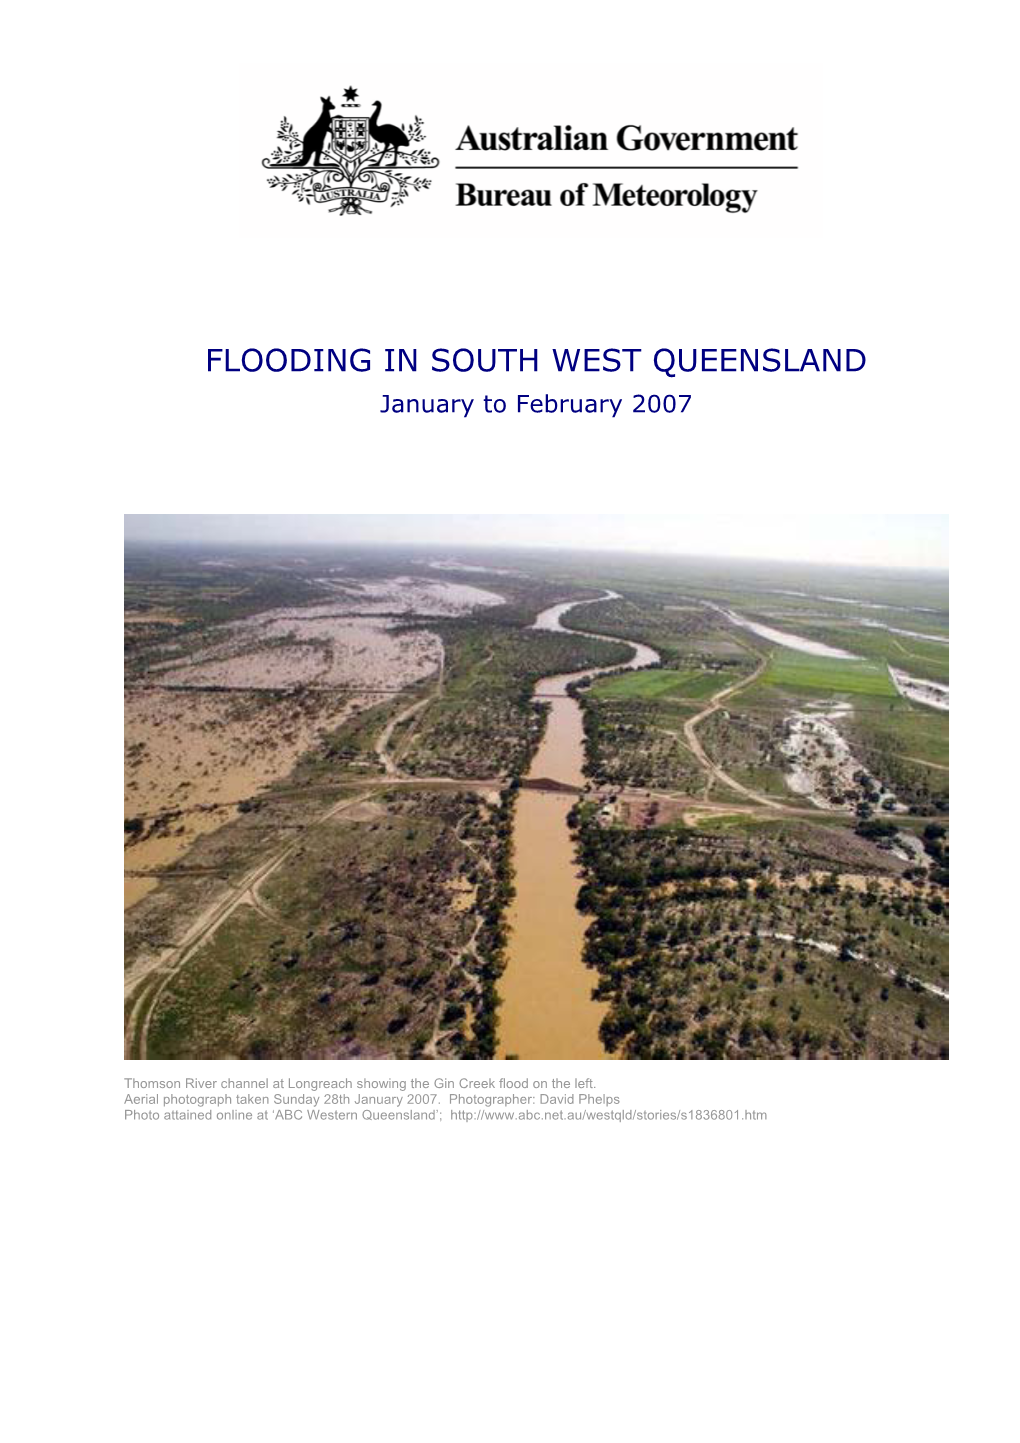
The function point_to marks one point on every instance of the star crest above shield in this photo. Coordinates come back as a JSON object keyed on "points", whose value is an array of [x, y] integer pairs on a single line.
{"points": [[350, 162]]}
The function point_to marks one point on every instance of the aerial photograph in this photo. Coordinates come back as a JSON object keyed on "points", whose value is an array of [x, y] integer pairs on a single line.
{"points": [[450, 787]]}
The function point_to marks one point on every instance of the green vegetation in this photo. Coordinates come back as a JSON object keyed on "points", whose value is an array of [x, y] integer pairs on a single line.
{"points": [[760, 932], [657, 683], [908, 746], [344, 951], [745, 741], [485, 723], [928, 659], [724, 945], [637, 744], [796, 671], [634, 721]]}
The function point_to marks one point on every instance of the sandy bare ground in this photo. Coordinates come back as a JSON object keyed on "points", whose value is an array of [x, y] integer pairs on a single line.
{"points": [[280, 650], [198, 754], [803, 882], [201, 754], [695, 810], [146, 982], [414, 595]]}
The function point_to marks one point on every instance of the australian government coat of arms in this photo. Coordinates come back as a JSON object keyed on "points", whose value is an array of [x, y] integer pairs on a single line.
{"points": [[341, 160]]}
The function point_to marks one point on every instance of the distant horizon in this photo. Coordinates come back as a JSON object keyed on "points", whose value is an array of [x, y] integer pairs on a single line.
{"points": [[551, 547], [888, 543]]}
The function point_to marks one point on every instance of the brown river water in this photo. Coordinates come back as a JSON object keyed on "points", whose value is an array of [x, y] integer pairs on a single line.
{"points": [[546, 1009]]}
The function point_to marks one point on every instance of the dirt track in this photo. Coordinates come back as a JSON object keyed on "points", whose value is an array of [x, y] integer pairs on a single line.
{"points": [[143, 986], [391, 764], [147, 985], [716, 773]]}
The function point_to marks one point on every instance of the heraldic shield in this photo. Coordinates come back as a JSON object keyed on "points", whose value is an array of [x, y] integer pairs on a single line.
{"points": [[340, 161], [350, 135]]}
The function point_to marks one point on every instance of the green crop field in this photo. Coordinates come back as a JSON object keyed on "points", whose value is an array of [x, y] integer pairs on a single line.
{"points": [[338, 735], [656, 684], [796, 671], [921, 658]]}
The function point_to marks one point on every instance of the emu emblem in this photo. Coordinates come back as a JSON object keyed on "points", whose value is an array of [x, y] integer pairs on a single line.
{"points": [[354, 161]]}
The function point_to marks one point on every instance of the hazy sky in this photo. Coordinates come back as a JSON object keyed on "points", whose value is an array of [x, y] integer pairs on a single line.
{"points": [[910, 541]]}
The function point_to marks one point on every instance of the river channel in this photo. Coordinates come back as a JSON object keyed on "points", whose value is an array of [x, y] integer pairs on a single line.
{"points": [[547, 1011]]}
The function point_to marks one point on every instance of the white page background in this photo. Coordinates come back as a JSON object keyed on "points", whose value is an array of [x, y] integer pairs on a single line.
{"points": [[806, 1279]]}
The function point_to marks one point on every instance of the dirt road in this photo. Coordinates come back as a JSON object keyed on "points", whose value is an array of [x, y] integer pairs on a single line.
{"points": [[716, 773], [391, 763], [382, 746], [144, 986]]}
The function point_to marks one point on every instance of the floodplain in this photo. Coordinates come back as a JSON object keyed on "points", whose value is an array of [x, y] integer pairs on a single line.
{"points": [[376, 806]]}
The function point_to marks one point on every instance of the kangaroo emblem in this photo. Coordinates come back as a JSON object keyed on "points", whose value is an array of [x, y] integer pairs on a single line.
{"points": [[316, 137], [350, 160]]}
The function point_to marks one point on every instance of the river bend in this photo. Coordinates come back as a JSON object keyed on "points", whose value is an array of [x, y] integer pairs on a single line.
{"points": [[547, 1011]]}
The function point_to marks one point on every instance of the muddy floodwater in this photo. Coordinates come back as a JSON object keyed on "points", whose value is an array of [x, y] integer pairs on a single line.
{"points": [[547, 1009], [784, 638]]}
